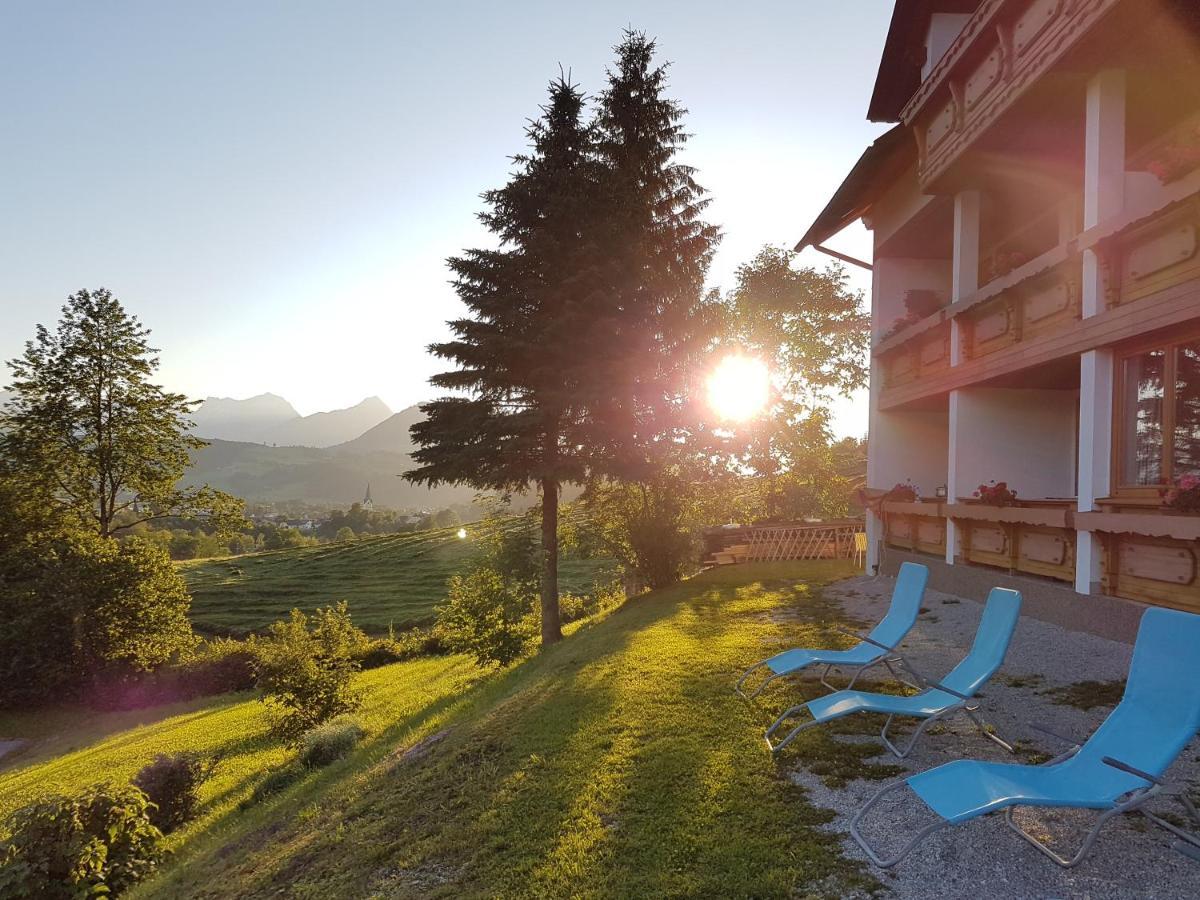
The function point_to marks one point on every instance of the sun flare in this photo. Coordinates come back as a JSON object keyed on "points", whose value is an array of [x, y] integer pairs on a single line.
{"points": [[738, 388]]}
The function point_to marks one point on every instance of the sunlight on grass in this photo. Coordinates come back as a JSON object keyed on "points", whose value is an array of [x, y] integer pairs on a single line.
{"points": [[618, 763]]}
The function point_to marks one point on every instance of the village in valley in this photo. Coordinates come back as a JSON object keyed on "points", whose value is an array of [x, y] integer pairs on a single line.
{"points": [[778, 473]]}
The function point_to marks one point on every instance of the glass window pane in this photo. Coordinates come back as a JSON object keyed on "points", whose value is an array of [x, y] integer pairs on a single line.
{"points": [[1143, 425], [1187, 411]]}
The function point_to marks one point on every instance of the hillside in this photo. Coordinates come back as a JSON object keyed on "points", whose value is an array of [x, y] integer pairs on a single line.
{"points": [[616, 764], [334, 475], [251, 419], [390, 434], [390, 579], [326, 429]]}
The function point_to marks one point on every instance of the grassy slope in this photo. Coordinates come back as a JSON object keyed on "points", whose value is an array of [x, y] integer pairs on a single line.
{"points": [[388, 579], [618, 763]]}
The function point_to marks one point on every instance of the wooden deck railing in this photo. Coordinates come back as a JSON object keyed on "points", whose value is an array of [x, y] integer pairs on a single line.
{"points": [[833, 539]]}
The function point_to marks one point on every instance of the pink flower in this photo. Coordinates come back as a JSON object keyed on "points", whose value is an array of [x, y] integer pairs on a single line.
{"points": [[1189, 482]]}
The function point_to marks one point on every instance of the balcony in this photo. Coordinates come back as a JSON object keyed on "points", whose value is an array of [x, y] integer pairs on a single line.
{"points": [[1035, 537]]}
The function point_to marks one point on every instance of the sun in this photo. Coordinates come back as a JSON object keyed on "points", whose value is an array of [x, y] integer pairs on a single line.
{"points": [[738, 388]]}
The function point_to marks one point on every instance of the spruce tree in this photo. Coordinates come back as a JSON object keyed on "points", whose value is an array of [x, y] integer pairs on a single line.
{"points": [[516, 355], [647, 355]]}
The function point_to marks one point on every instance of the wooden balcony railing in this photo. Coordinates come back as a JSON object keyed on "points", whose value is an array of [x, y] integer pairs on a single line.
{"points": [[1037, 537], [915, 526]]}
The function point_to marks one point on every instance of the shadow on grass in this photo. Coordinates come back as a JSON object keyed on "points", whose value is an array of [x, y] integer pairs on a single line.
{"points": [[618, 763]]}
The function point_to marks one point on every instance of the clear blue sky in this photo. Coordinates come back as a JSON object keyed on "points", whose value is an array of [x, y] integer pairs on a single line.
{"points": [[273, 187]]}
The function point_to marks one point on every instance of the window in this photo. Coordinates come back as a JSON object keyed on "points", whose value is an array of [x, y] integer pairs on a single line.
{"points": [[1159, 415]]}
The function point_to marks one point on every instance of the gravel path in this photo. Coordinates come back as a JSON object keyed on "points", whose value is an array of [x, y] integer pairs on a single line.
{"points": [[983, 858]]}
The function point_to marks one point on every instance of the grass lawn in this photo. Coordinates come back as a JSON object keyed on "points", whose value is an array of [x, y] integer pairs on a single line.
{"points": [[617, 764], [388, 579]]}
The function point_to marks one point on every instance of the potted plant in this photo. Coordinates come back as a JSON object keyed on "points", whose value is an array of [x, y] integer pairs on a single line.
{"points": [[903, 492], [996, 493], [1184, 497], [1175, 159]]}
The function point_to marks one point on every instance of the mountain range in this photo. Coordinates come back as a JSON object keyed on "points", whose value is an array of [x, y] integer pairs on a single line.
{"points": [[270, 419]]}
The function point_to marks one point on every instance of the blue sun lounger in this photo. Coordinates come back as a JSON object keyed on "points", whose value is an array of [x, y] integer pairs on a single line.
{"points": [[872, 649], [938, 699], [1117, 770]]}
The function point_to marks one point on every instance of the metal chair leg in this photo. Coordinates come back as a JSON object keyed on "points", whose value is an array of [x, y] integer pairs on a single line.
{"points": [[1139, 797], [907, 848], [972, 712], [775, 748]]}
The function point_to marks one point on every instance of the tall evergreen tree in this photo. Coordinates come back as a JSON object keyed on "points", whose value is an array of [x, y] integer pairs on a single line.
{"points": [[516, 356], [587, 321], [89, 432], [647, 354]]}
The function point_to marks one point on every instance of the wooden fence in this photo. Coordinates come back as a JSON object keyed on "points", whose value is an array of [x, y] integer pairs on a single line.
{"points": [[833, 539]]}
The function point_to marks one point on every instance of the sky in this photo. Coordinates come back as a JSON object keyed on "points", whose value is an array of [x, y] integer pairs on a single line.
{"points": [[274, 187]]}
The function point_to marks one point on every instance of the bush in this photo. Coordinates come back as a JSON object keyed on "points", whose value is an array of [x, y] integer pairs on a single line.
{"points": [[278, 780], [397, 648], [305, 666], [172, 783], [218, 666], [78, 610], [330, 742], [489, 616], [101, 841], [573, 607]]}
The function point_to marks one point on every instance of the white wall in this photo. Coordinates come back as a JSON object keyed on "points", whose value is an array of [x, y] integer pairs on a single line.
{"points": [[1023, 436], [943, 29], [893, 276], [908, 446]]}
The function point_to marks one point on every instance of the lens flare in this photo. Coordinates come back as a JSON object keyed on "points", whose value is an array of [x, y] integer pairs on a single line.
{"points": [[462, 534], [738, 388]]}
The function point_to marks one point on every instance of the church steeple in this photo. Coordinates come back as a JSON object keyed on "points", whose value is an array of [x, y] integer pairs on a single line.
{"points": [[367, 502]]}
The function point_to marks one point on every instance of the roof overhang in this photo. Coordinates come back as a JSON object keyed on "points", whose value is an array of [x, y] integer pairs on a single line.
{"points": [[903, 56], [879, 166]]}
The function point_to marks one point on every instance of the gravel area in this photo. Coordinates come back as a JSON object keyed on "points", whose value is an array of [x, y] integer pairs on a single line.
{"points": [[983, 858]]}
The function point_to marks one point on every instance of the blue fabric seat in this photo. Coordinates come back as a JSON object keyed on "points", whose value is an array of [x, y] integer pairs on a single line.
{"points": [[907, 595], [1117, 770], [937, 699]]}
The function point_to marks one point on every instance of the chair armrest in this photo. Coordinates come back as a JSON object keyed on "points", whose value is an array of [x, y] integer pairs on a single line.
{"points": [[1055, 734], [1125, 767], [864, 638], [941, 687]]}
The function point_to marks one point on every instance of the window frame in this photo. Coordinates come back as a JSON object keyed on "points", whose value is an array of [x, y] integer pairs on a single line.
{"points": [[1170, 346]]}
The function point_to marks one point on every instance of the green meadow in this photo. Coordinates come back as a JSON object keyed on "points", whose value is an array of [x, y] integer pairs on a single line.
{"points": [[618, 763], [394, 579]]}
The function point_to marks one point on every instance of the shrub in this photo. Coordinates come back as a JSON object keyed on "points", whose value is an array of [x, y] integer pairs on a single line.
{"points": [[489, 616], [305, 666], [330, 742], [277, 780], [172, 783], [492, 611], [398, 647], [218, 666], [77, 610], [101, 841], [574, 607]]}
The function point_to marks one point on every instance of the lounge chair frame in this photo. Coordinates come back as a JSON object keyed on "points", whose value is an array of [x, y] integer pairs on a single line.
{"points": [[967, 705], [887, 658], [1187, 844], [883, 660]]}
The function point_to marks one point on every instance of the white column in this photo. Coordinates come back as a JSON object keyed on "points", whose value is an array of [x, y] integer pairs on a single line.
{"points": [[1103, 198], [964, 273], [964, 281]]}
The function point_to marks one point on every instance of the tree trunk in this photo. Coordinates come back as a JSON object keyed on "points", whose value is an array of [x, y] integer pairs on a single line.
{"points": [[551, 628]]}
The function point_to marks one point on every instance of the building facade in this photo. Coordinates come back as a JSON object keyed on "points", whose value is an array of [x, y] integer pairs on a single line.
{"points": [[1036, 289]]}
